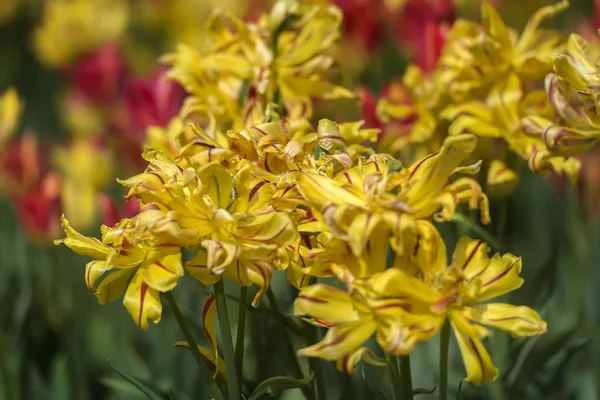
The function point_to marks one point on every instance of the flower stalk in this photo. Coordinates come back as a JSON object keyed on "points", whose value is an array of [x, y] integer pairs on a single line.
{"points": [[233, 385]]}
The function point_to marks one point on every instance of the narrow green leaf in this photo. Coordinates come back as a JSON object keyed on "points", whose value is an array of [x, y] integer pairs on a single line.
{"points": [[273, 386], [60, 378], [423, 391], [150, 393]]}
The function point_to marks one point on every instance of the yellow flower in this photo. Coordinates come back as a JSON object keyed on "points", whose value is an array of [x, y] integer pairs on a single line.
{"points": [[242, 238], [85, 168], [504, 115], [11, 108], [460, 292], [79, 26], [474, 58], [139, 271], [357, 202], [573, 93]]}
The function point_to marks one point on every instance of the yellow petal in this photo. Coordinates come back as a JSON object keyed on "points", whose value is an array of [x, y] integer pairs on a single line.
{"points": [[471, 257], [347, 364], [477, 360], [209, 357], [325, 303], [163, 273], [10, 114], [429, 175], [501, 180], [84, 245], [142, 301], [518, 321], [113, 285], [395, 282], [321, 190], [217, 183], [276, 228], [361, 229], [198, 268], [341, 340], [495, 26], [501, 276]]}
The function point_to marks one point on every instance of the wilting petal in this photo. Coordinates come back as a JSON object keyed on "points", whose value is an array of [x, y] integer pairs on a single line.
{"points": [[325, 303], [518, 321], [163, 273], [341, 340], [477, 360], [142, 301], [84, 245], [347, 364], [113, 285]]}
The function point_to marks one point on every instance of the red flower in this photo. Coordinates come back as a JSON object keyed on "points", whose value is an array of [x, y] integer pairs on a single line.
{"points": [[362, 22], [100, 75], [111, 214]]}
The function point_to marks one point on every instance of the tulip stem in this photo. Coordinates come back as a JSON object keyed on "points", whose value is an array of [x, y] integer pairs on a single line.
{"points": [[444, 346], [289, 347], [241, 328], [193, 346], [233, 385], [405, 376]]}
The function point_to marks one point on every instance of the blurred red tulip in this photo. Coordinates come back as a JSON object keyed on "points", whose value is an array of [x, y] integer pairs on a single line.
{"points": [[148, 103], [100, 75], [22, 164], [362, 22], [111, 213]]}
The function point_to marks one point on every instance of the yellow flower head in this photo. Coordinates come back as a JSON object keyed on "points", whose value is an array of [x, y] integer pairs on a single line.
{"points": [[11, 108], [79, 26], [119, 266]]}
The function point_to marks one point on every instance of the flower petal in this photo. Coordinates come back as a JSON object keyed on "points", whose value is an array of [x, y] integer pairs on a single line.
{"points": [[142, 301], [325, 303], [518, 321], [477, 360], [113, 285], [84, 245], [347, 364], [341, 340], [163, 273]]}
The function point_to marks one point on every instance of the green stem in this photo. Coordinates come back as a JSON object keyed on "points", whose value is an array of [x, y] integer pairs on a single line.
{"points": [[394, 376], [193, 346], [312, 333], [289, 347], [406, 377], [483, 234], [444, 346], [233, 384], [239, 340]]}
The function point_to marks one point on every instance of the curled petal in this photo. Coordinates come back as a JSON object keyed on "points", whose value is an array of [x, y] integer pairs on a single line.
{"points": [[198, 268], [220, 255], [84, 245], [471, 257], [500, 276], [209, 357], [347, 364], [518, 321], [501, 180]]}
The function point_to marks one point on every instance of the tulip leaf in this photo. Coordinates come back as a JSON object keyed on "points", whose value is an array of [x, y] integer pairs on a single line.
{"points": [[273, 386], [150, 393], [423, 391]]}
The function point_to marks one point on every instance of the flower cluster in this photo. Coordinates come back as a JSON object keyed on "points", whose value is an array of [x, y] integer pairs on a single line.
{"points": [[243, 179]]}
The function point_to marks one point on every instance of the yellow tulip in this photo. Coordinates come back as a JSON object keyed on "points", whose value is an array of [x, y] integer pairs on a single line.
{"points": [[11, 108], [138, 271]]}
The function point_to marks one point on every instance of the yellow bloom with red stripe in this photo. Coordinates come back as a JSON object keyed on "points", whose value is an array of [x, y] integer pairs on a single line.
{"points": [[120, 267]]}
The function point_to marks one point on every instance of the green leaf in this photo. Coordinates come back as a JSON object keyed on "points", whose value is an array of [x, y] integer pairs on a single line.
{"points": [[60, 378], [273, 386], [150, 393], [423, 391]]}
